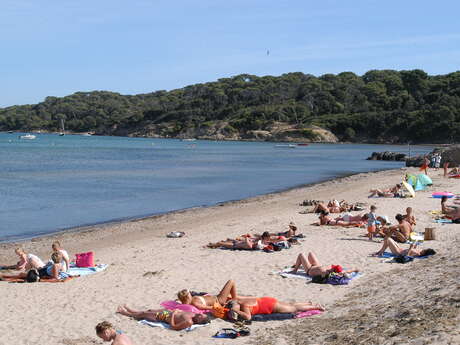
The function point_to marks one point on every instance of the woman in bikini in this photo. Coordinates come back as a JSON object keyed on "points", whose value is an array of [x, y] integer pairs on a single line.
{"points": [[397, 250], [312, 267], [177, 319], [326, 219], [246, 243], [209, 302], [269, 305], [26, 261]]}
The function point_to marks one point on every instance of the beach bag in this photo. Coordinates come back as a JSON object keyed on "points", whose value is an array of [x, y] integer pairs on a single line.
{"points": [[33, 276], [337, 279], [84, 259], [403, 259]]}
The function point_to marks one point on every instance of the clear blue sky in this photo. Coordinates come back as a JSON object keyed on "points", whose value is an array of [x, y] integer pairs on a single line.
{"points": [[56, 47]]}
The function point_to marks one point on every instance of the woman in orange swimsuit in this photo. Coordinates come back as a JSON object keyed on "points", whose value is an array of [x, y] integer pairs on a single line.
{"points": [[269, 305]]}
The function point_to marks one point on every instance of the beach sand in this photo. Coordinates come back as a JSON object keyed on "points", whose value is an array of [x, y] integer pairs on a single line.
{"points": [[147, 268]]}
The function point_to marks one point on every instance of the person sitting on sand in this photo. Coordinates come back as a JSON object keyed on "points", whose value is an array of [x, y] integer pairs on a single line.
{"points": [[400, 232], [451, 212], [394, 192], [333, 206], [410, 217], [397, 250], [26, 261], [312, 267], [177, 319], [326, 219], [53, 270], [107, 332], [56, 246], [209, 302]]}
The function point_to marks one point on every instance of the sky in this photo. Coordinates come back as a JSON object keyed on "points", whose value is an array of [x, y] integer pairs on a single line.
{"points": [[58, 47]]}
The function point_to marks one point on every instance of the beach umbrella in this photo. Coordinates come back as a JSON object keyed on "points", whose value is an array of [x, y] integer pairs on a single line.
{"points": [[409, 188]]}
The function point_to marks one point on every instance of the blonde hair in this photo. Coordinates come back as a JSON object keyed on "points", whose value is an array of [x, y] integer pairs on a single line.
{"points": [[103, 326], [56, 244], [56, 257], [182, 295], [20, 250]]}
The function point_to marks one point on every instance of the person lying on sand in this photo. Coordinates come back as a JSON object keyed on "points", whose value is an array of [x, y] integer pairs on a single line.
{"points": [[452, 212], [26, 261], [397, 250], [209, 302], [268, 305], [326, 219], [400, 232], [334, 206], [312, 266], [250, 243], [107, 332], [177, 319], [53, 270], [394, 192]]}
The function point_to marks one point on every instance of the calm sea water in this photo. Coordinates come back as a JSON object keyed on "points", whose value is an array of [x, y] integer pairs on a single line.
{"points": [[54, 183]]}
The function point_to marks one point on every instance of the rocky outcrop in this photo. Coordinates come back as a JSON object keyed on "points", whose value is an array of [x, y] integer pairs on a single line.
{"points": [[387, 156]]}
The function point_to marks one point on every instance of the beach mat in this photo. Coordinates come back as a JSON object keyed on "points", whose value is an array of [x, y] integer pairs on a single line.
{"points": [[443, 221], [165, 325], [387, 255], [42, 280], [284, 316], [85, 271], [286, 273]]}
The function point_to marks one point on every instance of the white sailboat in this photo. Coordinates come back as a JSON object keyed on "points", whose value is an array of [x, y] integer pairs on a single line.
{"points": [[28, 137], [62, 128]]}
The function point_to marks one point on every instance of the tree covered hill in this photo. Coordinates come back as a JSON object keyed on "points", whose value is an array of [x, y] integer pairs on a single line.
{"points": [[380, 106]]}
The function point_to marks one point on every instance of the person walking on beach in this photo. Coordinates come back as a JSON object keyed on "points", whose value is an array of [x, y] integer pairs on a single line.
{"points": [[107, 332], [425, 165], [177, 319], [437, 162], [446, 167]]}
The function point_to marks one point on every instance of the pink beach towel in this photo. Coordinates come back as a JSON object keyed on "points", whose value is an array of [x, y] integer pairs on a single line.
{"points": [[173, 305], [307, 313]]}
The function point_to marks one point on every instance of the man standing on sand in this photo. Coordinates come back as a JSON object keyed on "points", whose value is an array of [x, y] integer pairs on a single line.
{"points": [[177, 319], [400, 232]]}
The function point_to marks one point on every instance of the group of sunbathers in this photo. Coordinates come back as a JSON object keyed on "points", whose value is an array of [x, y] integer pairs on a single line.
{"points": [[264, 241], [54, 269]]}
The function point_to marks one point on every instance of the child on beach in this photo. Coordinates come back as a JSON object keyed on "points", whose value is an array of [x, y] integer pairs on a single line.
{"points": [[107, 332], [371, 223]]}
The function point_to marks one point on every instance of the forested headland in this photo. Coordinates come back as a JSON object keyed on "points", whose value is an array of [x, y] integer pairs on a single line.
{"points": [[379, 106]]}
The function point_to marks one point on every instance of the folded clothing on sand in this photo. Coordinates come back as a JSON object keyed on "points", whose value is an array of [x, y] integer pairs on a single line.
{"points": [[166, 325]]}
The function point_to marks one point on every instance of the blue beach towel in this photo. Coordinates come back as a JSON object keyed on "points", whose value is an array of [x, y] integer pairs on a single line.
{"points": [[443, 221], [84, 271], [165, 325], [286, 273], [387, 255]]}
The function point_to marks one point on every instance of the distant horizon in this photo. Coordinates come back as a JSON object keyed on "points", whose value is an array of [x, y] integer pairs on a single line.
{"points": [[58, 48]]}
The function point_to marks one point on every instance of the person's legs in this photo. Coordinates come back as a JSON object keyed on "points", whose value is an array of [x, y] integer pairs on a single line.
{"points": [[283, 307], [302, 261], [394, 247], [139, 314], [313, 259], [398, 237], [229, 290]]}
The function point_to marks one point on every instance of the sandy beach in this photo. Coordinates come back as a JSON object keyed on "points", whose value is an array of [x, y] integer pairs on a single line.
{"points": [[146, 268]]}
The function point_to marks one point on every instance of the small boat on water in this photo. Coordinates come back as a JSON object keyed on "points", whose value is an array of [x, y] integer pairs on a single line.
{"points": [[28, 136], [302, 144], [62, 133], [189, 139], [286, 146], [86, 135]]}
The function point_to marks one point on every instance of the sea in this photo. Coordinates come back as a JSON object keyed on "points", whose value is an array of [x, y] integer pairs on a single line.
{"points": [[55, 183]]}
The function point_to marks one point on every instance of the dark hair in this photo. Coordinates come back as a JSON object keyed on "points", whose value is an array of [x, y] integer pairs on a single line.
{"points": [[399, 217], [203, 319], [444, 198], [324, 212], [265, 234], [428, 251]]}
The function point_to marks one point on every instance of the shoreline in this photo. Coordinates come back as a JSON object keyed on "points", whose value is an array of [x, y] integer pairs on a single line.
{"points": [[123, 220], [146, 268]]}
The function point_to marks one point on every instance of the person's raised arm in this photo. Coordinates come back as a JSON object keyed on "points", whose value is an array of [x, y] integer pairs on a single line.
{"points": [[243, 311]]}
